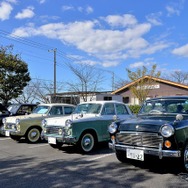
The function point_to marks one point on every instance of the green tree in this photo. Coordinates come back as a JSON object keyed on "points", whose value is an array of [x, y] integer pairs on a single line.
{"points": [[14, 74], [142, 81]]}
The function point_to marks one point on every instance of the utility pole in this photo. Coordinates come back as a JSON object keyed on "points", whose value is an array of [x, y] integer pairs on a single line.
{"points": [[54, 50]]}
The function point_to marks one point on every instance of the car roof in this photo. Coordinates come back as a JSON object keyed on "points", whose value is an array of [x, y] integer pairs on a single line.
{"points": [[169, 97], [56, 104], [23, 104], [102, 102]]}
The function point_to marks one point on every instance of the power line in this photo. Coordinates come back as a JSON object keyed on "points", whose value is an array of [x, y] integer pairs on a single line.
{"points": [[45, 47]]}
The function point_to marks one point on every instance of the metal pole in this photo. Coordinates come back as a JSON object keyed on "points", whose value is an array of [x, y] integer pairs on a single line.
{"points": [[54, 50], [55, 71]]}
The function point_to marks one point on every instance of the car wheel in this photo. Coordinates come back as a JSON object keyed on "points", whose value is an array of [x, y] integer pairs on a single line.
{"points": [[57, 145], [14, 137], [121, 156], [33, 135], [87, 142], [185, 158]]}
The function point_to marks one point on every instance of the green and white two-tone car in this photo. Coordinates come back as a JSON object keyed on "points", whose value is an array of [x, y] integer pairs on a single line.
{"points": [[87, 126], [29, 126]]}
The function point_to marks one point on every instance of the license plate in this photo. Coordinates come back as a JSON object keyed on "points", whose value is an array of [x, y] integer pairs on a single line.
{"points": [[51, 140], [135, 154], [7, 133]]}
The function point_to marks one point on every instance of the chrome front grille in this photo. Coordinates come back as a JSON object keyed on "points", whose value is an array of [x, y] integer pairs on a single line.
{"points": [[52, 130], [10, 126], [139, 139]]}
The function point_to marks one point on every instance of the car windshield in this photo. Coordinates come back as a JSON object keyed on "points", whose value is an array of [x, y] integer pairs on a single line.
{"points": [[41, 110], [88, 108], [179, 106], [13, 108]]}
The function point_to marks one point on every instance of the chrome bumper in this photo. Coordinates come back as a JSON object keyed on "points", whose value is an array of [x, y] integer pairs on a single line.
{"points": [[64, 140], [149, 151]]}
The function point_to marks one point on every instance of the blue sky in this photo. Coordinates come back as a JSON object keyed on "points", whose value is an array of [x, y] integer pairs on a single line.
{"points": [[110, 34]]}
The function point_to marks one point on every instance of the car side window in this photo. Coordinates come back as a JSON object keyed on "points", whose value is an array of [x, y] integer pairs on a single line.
{"points": [[68, 110], [25, 110], [108, 109], [56, 110], [121, 109]]}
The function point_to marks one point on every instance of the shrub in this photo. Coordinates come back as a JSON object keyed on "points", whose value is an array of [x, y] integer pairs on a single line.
{"points": [[134, 108]]}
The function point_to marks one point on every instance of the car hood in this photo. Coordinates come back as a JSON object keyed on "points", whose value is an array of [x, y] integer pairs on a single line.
{"points": [[142, 125], [60, 121], [12, 119]]}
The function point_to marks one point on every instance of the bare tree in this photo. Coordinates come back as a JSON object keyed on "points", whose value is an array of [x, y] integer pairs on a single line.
{"points": [[37, 91], [28, 95], [87, 82], [120, 83], [180, 77], [143, 81]]}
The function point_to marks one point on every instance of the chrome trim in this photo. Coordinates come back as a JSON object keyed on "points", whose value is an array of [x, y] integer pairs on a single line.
{"points": [[182, 127], [149, 151], [66, 140]]}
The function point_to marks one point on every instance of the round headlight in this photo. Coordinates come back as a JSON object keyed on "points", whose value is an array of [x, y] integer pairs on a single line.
{"points": [[44, 130], [44, 122], [18, 127], [112, 128], [167, 130], [4, 120], [68, 123], [17, 121], [60, 131]]}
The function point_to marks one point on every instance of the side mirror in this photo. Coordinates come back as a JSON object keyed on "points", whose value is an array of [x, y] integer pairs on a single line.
{"points": [[115, 117], [179, 117]]}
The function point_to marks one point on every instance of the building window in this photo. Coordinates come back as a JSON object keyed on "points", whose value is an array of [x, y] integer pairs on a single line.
{"points": [[126, 100], [107, 98]]}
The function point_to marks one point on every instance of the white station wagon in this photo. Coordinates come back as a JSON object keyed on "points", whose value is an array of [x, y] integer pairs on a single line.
{"points": [[87, 126]]}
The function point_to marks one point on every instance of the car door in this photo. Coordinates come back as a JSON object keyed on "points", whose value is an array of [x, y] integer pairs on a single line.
{"points": [[122, 112], [107, 116]]}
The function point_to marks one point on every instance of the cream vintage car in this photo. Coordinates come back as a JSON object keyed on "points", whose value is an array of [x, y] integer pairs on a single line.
{"points": [[29, 126], [87, 126]]}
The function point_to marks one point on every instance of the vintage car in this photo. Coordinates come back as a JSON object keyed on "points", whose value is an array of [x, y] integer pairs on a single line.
{"points": [[29, 126], [87, 126], [14, 110], [160, 130]]}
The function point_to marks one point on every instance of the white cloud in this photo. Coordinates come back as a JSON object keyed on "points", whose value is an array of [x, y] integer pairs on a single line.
{"points": [[66, 8], [171, 10], [89, 10], [25, 13], [109, 46], [181, 51], [175, 8], [146, 62], [137, 64], [42, 1], [5, 10], [154, 18], [117, 20]]}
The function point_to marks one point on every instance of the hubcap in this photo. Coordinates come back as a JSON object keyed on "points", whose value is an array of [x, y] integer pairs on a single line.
{"points": [[33, 134], [87, 141], [186, 158]]}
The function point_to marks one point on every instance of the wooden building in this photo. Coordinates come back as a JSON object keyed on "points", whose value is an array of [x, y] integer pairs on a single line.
{"points": [[160, 87]]}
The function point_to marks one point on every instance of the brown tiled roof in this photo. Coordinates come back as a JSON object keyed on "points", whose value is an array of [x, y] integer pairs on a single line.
{"points": [[154, 78]]}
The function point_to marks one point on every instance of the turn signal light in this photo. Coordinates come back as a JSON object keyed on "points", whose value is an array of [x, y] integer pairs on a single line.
{"points": [[167, 144]]}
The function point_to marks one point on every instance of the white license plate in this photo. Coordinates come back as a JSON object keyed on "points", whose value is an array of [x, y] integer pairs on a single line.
{"points": [[7, 133], [51, 140], [135, 154]]}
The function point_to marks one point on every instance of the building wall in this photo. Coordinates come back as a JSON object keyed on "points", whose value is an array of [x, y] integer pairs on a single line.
{"points": [[157, 90]]}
